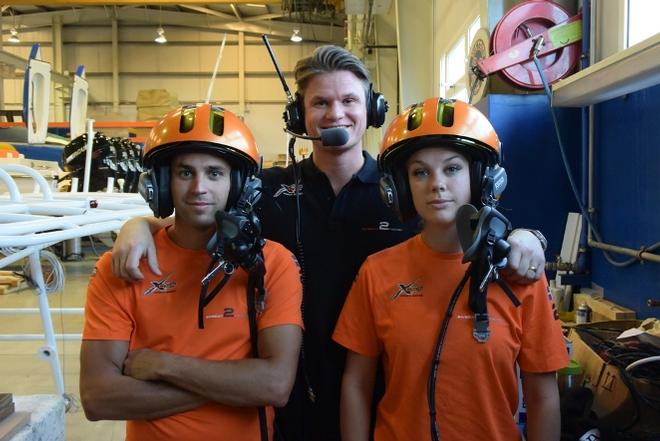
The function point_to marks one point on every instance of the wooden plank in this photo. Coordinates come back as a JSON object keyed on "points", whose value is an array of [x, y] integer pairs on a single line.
{"points": [[12, 424], [7, 410], [12, 281], [604, 309]]}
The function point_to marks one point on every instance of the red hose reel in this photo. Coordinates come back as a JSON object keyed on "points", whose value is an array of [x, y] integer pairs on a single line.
{"points": [[513, 38]]}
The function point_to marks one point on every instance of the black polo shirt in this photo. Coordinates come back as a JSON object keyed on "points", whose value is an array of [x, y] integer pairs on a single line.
{"points": [[337, 234]]}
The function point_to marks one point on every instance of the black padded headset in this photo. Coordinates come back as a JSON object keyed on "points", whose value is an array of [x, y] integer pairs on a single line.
{"points": [[294, 112]]}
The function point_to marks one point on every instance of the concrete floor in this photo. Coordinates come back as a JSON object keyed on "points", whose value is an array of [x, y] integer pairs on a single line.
{"points": [[22, 372]]}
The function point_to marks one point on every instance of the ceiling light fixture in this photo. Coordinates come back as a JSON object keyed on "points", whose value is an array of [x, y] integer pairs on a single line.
{"points": [[13, 38], [296, 37], [160, 37]]}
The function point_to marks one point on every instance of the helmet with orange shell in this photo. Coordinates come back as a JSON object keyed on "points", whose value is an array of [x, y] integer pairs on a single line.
{"points": [[203, 128], [435, 122]]}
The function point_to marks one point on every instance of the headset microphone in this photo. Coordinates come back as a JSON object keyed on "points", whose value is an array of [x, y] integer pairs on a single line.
{"points": [[332, 137]]}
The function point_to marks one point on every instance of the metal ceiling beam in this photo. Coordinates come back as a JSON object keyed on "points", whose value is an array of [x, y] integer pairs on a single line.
{"points": [[208, 11], [265, 17], [21, 63], [134, 15], [236, 12]]}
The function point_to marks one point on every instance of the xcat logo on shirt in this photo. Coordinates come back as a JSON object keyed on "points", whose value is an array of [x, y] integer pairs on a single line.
{"points": [[288, 190], [411, 289], [160, 286], [382, 226]]}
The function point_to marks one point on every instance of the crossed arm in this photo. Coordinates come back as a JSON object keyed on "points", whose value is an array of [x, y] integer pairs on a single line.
{"points": [[526, 261], [118, 384]]}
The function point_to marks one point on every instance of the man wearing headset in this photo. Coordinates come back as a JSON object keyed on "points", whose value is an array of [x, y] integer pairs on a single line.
{"points": [[191, 354], [340, 221]]}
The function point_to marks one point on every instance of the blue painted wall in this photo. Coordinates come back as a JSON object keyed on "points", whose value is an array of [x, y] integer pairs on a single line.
{"points": [[538, 194], [627, 194], [626, 181]]}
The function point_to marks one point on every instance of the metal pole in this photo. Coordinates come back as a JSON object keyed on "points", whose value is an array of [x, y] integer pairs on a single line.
{"points": [[215, 69], [88, 154], [48, 352]]}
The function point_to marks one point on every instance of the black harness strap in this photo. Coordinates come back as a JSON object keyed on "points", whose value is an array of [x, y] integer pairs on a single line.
{"points": [[256, 296], [205, 299]]}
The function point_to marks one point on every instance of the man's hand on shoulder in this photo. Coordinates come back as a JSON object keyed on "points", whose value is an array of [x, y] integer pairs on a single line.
{"points": [[134, 242], [526, 260]]}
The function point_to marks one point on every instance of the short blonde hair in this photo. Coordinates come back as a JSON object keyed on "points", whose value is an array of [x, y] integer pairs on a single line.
{"points": [[326, 59]]}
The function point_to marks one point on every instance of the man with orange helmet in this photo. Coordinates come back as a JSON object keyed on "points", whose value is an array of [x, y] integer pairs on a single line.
{"points": [[326, 209], [190, 355], [437, 157]]}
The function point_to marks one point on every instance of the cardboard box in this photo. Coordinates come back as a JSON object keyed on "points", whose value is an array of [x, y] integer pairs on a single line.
{"points": [[602, 309], [613, 401]]}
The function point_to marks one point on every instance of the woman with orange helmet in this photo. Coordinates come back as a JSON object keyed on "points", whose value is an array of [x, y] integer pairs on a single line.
{"points": [[173, 364], [435, 156]]}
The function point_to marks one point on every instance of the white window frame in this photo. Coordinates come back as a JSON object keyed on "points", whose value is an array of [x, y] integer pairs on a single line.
{"points": [[457, 87], [640, 10]]}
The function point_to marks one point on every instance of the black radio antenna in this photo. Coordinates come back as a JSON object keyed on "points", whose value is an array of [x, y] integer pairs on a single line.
{"points": [[289, 97]]}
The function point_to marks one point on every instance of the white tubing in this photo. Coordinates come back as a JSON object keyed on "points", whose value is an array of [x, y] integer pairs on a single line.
{"points": [[109, 184], [8, 260], [14, 192], [215, 69], [51, 353], [37, 337], [634, 364], [32, 311], [105, 219], [40, 180], [88, 154], [70, 215]]}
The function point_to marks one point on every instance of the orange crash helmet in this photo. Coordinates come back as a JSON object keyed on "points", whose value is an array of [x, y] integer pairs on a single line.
{"points": [[435, 122], [203, 128]]}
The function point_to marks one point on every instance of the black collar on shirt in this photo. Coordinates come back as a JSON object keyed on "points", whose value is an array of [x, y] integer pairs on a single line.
{"points": [[368, 173]]}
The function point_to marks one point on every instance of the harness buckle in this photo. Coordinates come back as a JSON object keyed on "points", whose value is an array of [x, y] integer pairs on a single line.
{"points": [[481, 331]]}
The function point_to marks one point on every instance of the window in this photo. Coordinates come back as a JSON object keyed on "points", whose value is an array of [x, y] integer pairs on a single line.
{"points": [[472, 30], [454, 63], [642, 20]]}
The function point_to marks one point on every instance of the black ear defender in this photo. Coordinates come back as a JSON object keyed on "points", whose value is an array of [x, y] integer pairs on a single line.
{"points": [[154, 187], [294, 116], [377, 107], [395, 193], [388, 192]]}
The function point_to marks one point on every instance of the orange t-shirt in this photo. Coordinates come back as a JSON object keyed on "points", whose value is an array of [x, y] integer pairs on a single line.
{"points": [[160, 313], [395, 309]]}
